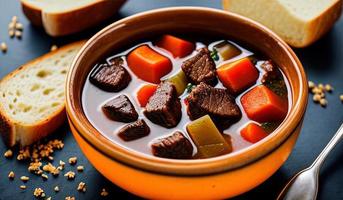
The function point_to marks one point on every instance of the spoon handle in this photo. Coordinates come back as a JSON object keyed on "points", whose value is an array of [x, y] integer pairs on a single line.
{"points": [[335, 139]]}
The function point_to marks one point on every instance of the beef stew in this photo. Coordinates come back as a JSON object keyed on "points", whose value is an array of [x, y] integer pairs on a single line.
{"points": [[177, 98]]}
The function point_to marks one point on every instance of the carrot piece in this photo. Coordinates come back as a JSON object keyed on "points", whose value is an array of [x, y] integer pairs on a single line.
{"points": [[238, 75], [263, 105], [253, 133], [148, 65], [176, 46], [144, 93]]}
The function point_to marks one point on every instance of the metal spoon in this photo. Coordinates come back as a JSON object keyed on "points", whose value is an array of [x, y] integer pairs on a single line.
{"points": [[304, 185]]}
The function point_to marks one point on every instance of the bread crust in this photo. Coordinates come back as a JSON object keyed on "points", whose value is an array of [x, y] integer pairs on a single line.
{"points": [[34, 14], [72, 21], [315, 28], [320, 25], [13, 131]]}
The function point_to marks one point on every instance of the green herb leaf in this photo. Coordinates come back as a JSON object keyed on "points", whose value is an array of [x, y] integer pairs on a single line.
{"points": [[214, 55], [190, 87]]}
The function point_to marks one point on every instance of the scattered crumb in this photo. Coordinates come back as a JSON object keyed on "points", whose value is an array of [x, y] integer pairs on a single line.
{"points": [[23, 187], [51, 169], [104, 193], [8, 154], [328, 88], [81, 187], [49, 198], [24, 178], [11, 26], [56, 189], [14, 19], [11, 33], [73, 160], [38, 152], [341, 97], [323, 102], [3, 47], [70, 175], [39, 193], [316, 98], [34, 167], [45, 177], [19, 26], [18, 34], [319, 92], [11, 175], [70, 198], [62, 164], [80, 168], [53, 48]]}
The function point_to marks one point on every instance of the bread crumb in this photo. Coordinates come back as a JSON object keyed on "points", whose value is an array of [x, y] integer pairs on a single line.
{"points": [[56, 189], [323, 102], [328, 88], [104, 193], [51, 169], [8, 154], [11, 25], [34, 167], [3, 47], [62, 163], [18, 34], [70, 175], [70, 198], [316, 98], [14, 19], [24, 153], [19, 26], [49, 198], [45, 177], [24, 178], [80, 168], [81, 187], [39, 193], [23, 187], [73, 160], [11, 33], [11, 175], [53, 48]]}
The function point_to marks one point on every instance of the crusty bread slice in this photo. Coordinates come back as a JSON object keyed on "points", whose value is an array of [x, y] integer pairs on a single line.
{"points": [[64, 17], [299, 23], [32, 97]]}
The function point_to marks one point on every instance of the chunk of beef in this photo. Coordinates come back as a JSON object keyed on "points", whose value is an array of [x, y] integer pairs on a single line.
{"points": [[164, 107], [133, 131], [200, 68], [270, 71], [111, 77], [273, 79], [120, 109], [219, 104], [176, 146]]}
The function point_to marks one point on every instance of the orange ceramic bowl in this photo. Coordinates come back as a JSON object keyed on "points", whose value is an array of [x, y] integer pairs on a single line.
{"points": [[219, 177]]}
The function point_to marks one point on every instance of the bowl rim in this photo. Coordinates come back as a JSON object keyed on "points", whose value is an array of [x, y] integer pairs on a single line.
{"points": [[188, 167]]}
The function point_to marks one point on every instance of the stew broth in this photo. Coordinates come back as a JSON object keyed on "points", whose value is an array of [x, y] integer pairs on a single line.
{"points": [[93, 98]]}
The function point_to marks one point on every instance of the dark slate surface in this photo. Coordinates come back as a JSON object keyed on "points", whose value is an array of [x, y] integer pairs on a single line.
{"points": [[323, 62]]}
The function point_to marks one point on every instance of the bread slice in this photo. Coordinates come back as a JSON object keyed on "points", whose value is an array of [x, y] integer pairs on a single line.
{"points": [[64, 17], [299, 23], [32, 97]]}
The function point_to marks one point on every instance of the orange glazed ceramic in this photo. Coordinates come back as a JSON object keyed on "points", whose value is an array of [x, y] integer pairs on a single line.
{"points": [[215, 178]]}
